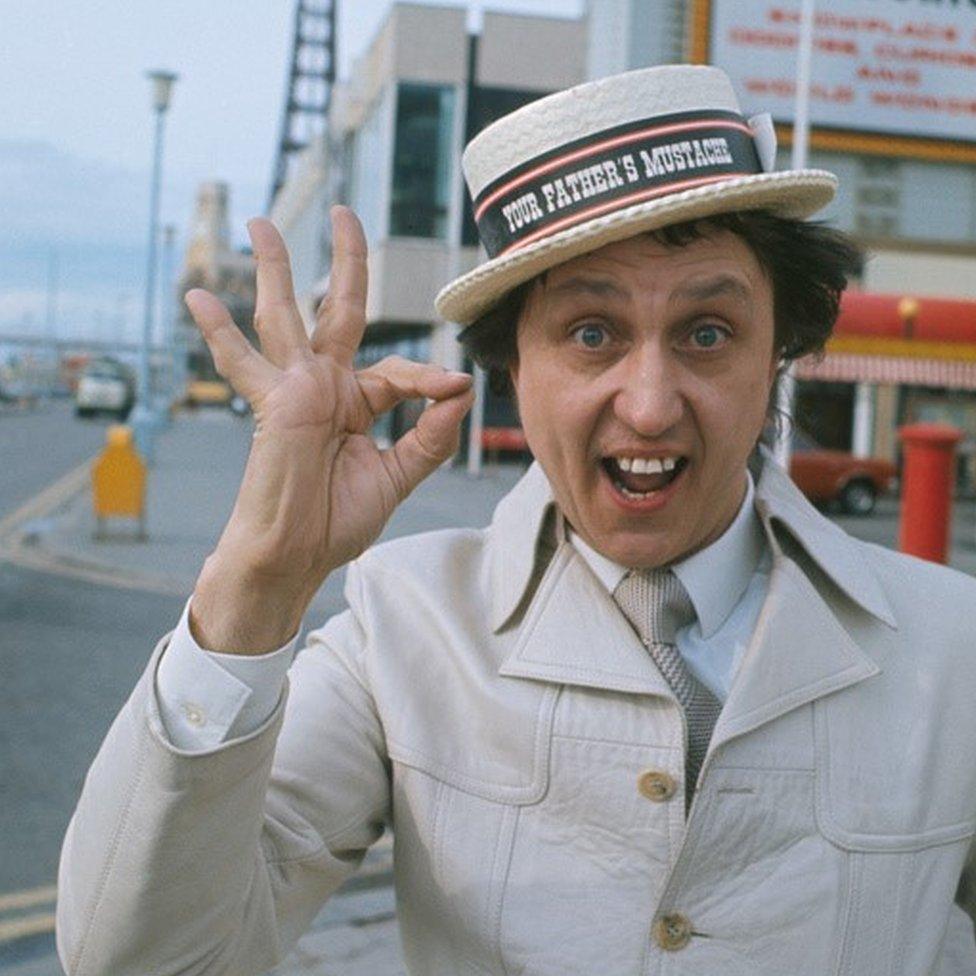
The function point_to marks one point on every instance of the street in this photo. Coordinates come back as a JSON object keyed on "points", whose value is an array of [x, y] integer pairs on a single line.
{"points": [[70, 653]]}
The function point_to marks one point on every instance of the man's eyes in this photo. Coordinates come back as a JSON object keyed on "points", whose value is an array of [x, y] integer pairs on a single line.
{"points": [[590, 335], [709, 335]]}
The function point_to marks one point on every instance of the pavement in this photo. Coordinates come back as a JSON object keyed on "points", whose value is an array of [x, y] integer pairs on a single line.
{"points": [[191, 488]]}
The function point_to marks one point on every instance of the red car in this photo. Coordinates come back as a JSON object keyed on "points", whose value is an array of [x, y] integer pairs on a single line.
{"points": [[827, 476]]}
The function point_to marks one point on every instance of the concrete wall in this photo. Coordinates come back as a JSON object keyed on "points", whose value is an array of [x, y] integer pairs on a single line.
{"points": [[405, 276], [918, 273], [429, 44], [532, 53]]}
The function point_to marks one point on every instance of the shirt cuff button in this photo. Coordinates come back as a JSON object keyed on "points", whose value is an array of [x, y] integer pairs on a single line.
{"points": [[194, 715]]}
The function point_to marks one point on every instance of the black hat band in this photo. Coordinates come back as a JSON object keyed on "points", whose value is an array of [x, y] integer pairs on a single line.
{"points": [[611, 170]]}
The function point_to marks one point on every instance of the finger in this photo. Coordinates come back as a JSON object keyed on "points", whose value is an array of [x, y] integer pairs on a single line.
{"points": [[341, 317], [428, 444], [394, 379], [277, 320], [234, 357]]}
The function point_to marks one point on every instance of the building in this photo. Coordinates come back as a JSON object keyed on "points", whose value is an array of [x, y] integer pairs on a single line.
{"points": [[211, 262], [392, 151], [910, 200]]}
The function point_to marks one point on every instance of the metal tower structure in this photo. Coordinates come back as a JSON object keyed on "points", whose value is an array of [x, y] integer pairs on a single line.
{"points": [[310, 79]]}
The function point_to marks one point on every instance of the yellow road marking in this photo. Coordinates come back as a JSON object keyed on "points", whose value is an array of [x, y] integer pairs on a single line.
{"points": [[20, 928], [28, 898], [50, 498], [74, 568]]}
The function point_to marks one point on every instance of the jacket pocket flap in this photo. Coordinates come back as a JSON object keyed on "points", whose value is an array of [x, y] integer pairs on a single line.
{"points": [[878, 790], [511, 768]]}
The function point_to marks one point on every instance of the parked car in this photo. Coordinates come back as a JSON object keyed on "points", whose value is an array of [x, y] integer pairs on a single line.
{"points": [[208, 393], [105, 386], [827, 476], [503, 440]]}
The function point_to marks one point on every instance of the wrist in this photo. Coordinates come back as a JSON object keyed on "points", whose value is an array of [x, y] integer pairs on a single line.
{"points": [[237, 609]]}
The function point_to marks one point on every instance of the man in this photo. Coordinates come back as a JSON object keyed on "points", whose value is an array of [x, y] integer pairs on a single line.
{"points": [[658, 717]]}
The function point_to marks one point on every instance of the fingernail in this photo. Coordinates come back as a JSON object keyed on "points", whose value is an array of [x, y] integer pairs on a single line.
{"points": [[458, 372]]}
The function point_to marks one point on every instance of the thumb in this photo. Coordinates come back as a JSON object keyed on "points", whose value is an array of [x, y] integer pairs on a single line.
{"points": [[427, 445]]}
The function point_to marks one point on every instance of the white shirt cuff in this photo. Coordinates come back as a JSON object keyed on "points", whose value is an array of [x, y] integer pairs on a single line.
{"points": [[206, 698]]}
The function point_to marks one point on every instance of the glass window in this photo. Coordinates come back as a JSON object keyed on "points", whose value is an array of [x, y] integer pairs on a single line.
{"points": [[366, 152], [422, 161]]}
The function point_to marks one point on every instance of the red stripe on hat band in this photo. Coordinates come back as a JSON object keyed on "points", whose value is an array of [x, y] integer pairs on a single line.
{"points": [[617, 204], [660, 130]]}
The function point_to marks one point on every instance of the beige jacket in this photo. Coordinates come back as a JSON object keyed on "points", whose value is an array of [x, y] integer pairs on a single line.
{"points": [[529, 757]]}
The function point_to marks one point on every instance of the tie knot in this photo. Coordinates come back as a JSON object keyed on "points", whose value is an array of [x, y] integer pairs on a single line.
{"points": [[656, 604]]}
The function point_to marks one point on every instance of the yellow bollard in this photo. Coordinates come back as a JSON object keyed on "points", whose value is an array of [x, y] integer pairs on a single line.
{"points": [[119, 481]]}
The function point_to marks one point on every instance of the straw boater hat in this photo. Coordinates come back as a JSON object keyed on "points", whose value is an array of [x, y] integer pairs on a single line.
{"points": [[608, 159]]}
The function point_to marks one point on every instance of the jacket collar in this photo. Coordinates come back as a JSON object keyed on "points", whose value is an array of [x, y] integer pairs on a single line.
{"points": [[780, 503], [519, 517], [513, 542]]}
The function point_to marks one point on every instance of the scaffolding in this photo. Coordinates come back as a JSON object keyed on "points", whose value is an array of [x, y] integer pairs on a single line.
{"points": [[311, 75]]}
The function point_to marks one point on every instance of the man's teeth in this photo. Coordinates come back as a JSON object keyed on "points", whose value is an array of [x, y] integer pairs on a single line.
{"points": [[637, 495], [647, 465]]}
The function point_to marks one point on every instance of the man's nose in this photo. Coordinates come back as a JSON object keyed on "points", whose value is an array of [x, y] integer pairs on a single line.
{"points": [[649, 399]]}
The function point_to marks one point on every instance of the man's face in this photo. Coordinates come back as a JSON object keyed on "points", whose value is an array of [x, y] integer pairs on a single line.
{"points": [[639, 357]]}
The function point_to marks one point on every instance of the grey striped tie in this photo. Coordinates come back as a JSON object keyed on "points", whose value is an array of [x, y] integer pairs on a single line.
{"points": [[656, 604]]}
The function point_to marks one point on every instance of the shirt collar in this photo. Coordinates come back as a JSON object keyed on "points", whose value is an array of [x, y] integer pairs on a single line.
{"points": [[714, 577]]}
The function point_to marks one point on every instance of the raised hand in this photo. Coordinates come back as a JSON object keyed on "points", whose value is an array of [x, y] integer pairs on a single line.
{"points": [[316, 490]]}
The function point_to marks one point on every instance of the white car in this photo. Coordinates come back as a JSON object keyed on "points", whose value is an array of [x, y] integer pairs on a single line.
{"points": [[104, 386]]}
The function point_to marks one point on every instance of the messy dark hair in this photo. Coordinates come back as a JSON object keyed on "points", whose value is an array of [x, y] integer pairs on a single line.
{"points": [[808, 264]]}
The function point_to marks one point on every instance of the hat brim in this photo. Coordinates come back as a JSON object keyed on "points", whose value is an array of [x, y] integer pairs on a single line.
{"points": [[793, 193]]}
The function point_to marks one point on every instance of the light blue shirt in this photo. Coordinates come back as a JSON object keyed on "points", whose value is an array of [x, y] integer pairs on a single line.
{"points": [[726, 581], [206, 698]]}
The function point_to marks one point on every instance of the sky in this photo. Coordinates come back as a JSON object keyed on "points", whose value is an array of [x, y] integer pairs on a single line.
{"points": [[76, 131]]}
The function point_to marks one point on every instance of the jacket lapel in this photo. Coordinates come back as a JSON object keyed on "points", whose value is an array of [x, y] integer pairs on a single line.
{"points": [[573, 633], [799, 650]]}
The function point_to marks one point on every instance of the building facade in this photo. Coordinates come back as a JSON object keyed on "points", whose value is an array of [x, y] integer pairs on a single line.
{"points": [[396, 131], [211, 262]]}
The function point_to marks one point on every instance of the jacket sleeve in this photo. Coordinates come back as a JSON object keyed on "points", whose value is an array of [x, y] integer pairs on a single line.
{"points": [[215, 862]]}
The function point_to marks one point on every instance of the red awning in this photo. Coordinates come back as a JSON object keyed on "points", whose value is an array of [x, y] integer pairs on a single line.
{"points": [[851, 368], [899, 339], [864, 313]]}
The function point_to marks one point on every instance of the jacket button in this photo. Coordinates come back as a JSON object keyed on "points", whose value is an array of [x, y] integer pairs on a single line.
{"points": [[656, 785], [672, 932]]}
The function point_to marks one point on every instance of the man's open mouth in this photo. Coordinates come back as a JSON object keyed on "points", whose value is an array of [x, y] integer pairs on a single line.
{"points": [[641, 477]]}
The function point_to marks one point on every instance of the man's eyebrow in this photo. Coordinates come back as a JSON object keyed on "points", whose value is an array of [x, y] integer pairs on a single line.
{"points": [[717, 287], [600, 287]]}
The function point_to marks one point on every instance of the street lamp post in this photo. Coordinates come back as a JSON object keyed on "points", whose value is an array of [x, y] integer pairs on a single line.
{"points": [[144, 418], [786, 390], [168, 331]]}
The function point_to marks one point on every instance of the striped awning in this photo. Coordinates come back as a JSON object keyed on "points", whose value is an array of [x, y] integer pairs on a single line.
{"points": [[840, 367]]}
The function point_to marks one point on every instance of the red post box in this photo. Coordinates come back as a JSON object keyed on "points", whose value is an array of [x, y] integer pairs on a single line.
{"points": [[928, 475]]}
